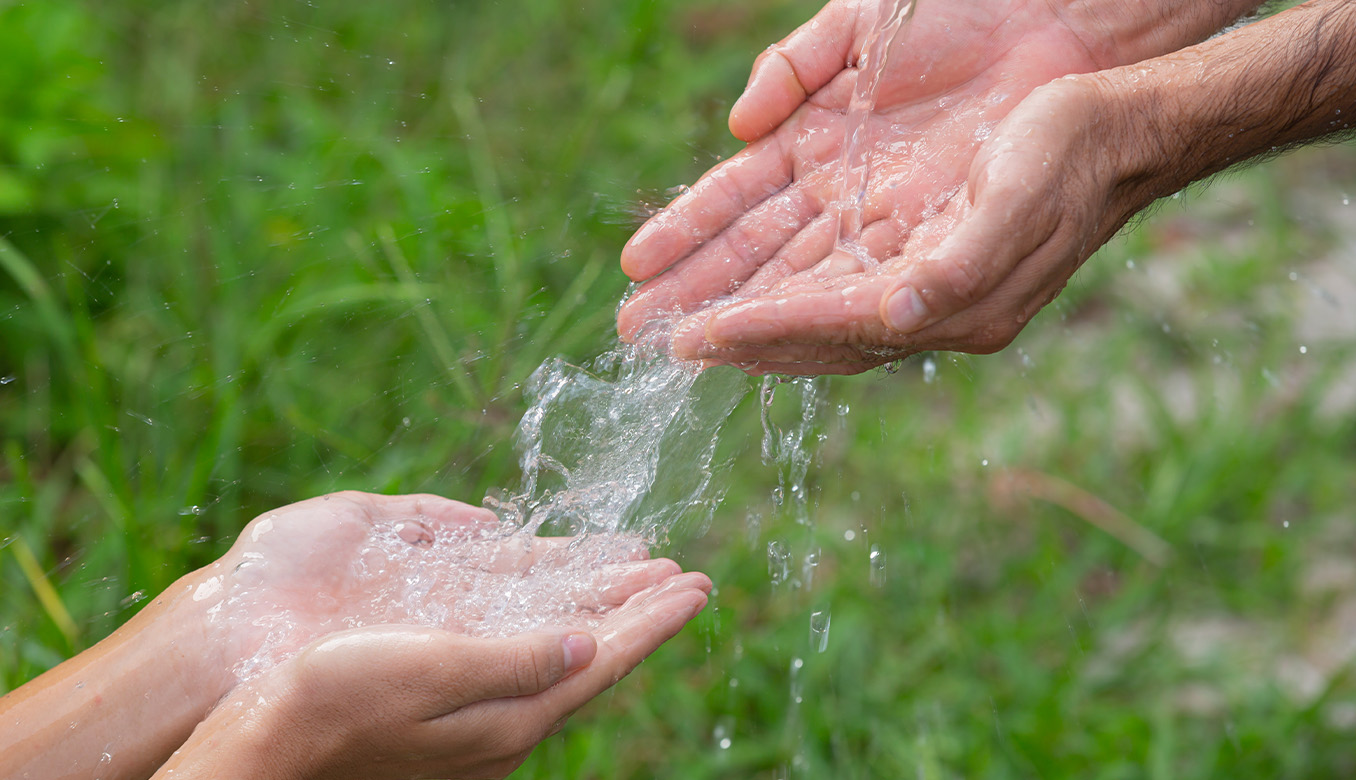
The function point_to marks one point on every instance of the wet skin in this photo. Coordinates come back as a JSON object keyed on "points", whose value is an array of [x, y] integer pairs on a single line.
{"points": [[418, 701], [986, 191]]}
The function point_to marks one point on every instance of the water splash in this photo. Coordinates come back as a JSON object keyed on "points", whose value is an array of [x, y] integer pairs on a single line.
{"points": [[624, 445], [615, 455]]}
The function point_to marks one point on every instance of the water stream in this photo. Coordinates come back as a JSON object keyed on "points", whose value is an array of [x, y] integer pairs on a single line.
{"points": [[892, 17]]}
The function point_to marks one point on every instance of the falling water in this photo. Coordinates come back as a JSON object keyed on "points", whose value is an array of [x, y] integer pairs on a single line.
{"points": [[615, 454], [624, 445], [892, 17]]}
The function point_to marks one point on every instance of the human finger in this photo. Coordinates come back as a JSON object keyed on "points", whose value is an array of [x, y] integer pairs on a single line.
{"points": [[791, 70], [993, 322], [845, 313], [721, 264], [727, 191], [878, 241], [522, 552], [629, 635], [754, 367], [614, 585]]}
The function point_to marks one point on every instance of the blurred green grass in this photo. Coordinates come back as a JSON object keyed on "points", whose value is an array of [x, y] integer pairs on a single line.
{"points": [[251, 253]]}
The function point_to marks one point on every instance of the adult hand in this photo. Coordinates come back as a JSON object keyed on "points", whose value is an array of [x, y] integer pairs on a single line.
{"points": [[762, 225], [403, 702]]}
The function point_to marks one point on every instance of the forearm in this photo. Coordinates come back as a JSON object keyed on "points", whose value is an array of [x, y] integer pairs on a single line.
{"points": [[120, 708], [1257, 90]]}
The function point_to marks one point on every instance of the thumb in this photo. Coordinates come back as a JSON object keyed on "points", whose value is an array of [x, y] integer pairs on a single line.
{"points": [[1010, 218], [521, 665]]}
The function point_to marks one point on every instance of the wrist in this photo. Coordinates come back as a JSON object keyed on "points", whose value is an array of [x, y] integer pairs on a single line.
{"points": [[157, 671], [1123, 32], [264, 730], [194, 639]]}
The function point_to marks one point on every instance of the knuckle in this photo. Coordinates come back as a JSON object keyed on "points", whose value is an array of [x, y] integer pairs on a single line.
{"points": [[527, 669], [963, 280]]}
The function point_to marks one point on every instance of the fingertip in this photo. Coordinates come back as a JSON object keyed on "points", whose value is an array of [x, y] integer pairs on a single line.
{"points": [[689, 603], [773, 93], [631, 261], [664, 568], [652, 248], [699, 580]]}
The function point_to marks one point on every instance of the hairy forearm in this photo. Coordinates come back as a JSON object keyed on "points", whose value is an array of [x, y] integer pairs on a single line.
{"points": [[119, 709], [1281, 81]]}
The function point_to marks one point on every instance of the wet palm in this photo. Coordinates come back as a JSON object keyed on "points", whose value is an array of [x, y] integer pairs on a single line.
{"points": [[332, 563], [762, 225]]}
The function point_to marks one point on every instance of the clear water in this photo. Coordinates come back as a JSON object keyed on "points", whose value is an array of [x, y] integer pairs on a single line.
{"points": [[615, 454], [892, 17]]}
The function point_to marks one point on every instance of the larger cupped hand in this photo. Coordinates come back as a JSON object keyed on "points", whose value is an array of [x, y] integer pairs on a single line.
{"points": [[762, 226], [981, 200]]}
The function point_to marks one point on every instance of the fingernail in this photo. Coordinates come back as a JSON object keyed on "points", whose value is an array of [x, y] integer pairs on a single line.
{"points": [[906, 311], [579, 650]]}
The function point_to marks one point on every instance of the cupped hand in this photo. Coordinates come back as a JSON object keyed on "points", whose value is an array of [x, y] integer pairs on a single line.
{"points": [[355, 559], [405, 702], [762, 226], [1047, 189]]}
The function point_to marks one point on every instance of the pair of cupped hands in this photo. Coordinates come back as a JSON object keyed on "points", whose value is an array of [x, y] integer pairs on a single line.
{"points": [[296, 655], [990, 183], [401, 701]]}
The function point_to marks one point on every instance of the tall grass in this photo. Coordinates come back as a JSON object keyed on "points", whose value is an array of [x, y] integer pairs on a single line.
{"points": [[256, 252]]}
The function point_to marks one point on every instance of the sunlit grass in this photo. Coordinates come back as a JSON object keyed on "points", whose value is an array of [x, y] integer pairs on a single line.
{"points": [[282, 250]]}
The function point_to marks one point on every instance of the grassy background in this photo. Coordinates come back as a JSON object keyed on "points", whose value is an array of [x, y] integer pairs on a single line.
{"points": [[253, 252]]}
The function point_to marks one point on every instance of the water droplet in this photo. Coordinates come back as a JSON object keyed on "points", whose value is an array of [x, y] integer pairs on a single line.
{"points": [[1285, 524], [723, 732], [929, 369], [984, 462], [877, 566], [849, 535], [1304, 350], [808, 567], [190, 510], [820, 620], [4, 380], [778, 562]]}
